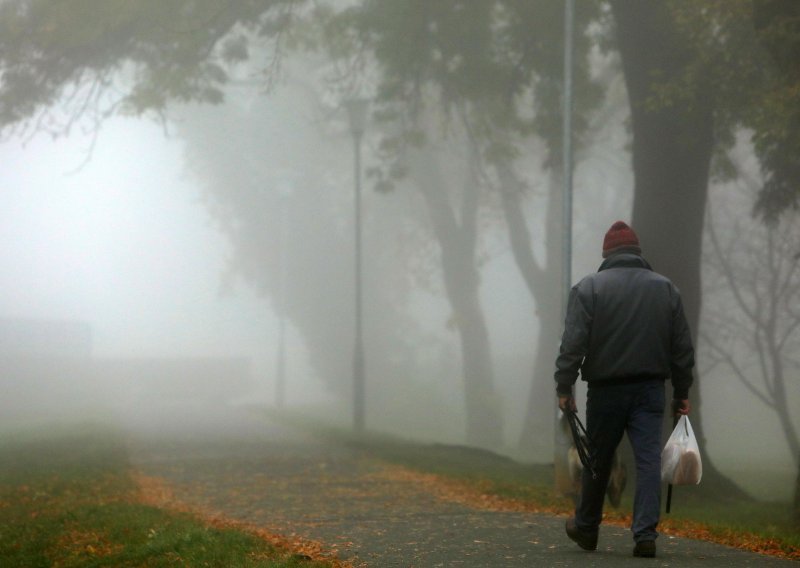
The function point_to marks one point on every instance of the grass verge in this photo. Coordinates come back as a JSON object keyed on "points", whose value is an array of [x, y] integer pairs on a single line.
{"points": [[67, 499], [764, 527]]}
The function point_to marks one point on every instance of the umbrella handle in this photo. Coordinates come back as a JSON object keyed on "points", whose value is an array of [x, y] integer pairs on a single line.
{"points": [[669, 497]]}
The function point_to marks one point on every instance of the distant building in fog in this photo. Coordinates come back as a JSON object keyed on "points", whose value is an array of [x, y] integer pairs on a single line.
{"points": [[23, 337], [47, 368]]}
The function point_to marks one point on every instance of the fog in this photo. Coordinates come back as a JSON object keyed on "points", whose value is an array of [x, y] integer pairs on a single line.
{"points": [[149, 266]]}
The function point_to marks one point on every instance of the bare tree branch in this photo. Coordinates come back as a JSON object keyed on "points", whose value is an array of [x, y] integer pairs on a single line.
{"points": [[727, 359], [728, 271]]}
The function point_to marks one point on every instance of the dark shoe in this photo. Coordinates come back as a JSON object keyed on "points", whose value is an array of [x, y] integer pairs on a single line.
{"points": [[645, 549], [585, 539]]}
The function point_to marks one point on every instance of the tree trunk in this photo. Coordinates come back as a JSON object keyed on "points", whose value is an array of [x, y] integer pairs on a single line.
{"points": [[781, 405], [538, 433], [543, 281], [457, 241], [672, 148], [797, 495], [784, 416], [484, 423]]}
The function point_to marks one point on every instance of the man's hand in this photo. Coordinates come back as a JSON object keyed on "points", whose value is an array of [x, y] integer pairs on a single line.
{"points": [[681, 406], [567, 401]]}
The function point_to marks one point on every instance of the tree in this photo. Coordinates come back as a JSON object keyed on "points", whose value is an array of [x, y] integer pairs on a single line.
{"points": [[87, 60], [753, 321], [454, 219], [411, 45], [777, 26], [696, 73], [673, 143], [493, 70], [285, 170], [745, 50]]}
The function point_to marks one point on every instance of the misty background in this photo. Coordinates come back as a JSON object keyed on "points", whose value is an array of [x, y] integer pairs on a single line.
{"points": [[188, 241]]}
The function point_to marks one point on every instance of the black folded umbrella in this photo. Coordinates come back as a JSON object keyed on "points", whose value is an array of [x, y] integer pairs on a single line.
{"points": [[587, 452]]}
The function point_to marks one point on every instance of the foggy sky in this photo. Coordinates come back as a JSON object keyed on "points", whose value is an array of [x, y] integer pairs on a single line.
{"points": [[123, 243]]}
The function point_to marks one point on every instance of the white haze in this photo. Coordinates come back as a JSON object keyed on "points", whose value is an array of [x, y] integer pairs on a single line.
{"points": [[125, 244]]}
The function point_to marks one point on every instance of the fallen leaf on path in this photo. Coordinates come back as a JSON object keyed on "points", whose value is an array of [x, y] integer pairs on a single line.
{"points": [[157, 492]]}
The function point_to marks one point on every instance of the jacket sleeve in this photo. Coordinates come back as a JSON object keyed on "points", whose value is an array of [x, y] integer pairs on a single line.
{"points": [[575, 341], [681, 350]]}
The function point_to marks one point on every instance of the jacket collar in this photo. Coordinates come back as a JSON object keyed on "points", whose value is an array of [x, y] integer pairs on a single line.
{"points": [[624, 260]]}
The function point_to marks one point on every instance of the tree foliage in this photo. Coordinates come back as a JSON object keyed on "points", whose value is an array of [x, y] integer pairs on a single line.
{"points": [[92, 59], [494, 66], [747, 54], [87, 58]]}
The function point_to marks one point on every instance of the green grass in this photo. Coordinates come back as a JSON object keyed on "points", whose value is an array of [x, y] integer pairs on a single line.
{"points": [[751, 524], [67, 499], [738, 522]]}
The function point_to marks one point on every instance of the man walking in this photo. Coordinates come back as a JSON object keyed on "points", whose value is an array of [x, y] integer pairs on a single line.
{"points": [[626, 333]]}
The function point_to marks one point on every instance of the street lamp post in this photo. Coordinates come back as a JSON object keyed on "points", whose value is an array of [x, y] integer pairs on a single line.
{"points": [[280, 380], [560, 438], [566, 275], [357, 114]]}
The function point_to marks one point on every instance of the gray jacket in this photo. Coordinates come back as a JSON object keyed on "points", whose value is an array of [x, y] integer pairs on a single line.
{"points": [[625, 323]]}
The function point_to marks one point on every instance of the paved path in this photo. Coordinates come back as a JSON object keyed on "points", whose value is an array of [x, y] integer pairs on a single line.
{"points": [[267, 474]]}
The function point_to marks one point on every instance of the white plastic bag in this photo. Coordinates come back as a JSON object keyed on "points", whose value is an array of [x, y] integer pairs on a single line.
{"points": [[680, 459]]}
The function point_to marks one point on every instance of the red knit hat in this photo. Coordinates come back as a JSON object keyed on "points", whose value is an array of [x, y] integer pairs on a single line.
{"points": [[620, 237]]}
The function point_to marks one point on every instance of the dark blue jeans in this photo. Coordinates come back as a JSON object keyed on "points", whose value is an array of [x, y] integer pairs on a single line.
{"points": [[638, 409]]}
